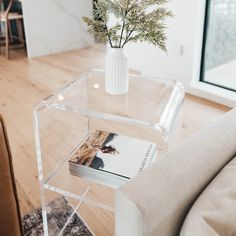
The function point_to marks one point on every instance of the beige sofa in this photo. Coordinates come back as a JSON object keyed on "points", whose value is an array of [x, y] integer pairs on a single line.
{"points": [[190, 191]]}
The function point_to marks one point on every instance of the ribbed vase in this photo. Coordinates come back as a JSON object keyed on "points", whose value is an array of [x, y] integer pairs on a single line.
{"points": [[116, 71]]}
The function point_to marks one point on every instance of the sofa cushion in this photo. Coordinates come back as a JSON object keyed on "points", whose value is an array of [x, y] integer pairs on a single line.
{"points": [[214, 212]]}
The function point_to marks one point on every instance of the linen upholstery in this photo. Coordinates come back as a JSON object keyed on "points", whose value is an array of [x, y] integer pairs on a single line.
{"points": [[214, 212], [10, 220], [157, 200]]}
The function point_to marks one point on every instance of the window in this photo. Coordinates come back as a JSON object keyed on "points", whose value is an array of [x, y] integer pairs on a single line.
{"points": [[218, 62]]}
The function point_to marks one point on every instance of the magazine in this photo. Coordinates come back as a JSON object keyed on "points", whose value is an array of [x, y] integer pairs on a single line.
{"points": [[111, 158]]}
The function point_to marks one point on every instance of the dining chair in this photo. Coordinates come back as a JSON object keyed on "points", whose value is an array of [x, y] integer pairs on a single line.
{"points": [[6, 16]]}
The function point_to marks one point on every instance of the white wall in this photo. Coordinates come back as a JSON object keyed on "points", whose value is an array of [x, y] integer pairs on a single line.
{"points": [[53, 26], [181, 33]]}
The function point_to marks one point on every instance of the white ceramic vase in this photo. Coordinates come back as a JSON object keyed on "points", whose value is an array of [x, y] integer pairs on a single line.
{"points": [[116, 71]]}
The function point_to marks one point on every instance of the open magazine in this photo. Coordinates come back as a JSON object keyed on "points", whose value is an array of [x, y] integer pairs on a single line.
{"points": [[111, 158]]}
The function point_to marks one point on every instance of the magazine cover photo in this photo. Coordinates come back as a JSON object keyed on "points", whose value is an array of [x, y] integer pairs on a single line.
{"points": [[113, 153]]}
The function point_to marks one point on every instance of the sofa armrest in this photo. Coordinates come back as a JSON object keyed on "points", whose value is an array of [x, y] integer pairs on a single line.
{"points": [[157, 200]]}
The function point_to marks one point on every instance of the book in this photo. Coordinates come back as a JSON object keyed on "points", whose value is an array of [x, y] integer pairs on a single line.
{"points": [[111, 158]]}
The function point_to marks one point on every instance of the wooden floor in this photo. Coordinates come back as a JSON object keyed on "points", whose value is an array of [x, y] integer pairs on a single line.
{"points": [[23, 83]]}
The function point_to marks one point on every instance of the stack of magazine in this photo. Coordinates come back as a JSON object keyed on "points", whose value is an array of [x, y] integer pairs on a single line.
{"points": [[110, 158]]}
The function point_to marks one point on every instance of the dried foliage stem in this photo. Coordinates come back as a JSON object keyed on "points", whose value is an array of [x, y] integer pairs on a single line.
{"points": [[135, 21], [123, 25], [109, 38], [128, 36]]}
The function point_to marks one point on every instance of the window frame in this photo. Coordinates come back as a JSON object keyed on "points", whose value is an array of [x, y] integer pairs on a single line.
{"points": [[198, 86]]}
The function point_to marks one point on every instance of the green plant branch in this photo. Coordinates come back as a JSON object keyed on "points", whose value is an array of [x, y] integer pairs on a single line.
{"points": [[108, 36], [137, 21], [128, 36], [123, 25], [122, 31]]}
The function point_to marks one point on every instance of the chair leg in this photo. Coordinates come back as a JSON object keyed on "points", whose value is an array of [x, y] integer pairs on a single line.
{"points": [[10, 32], [20, 30], [1, 36], [7, 38]]}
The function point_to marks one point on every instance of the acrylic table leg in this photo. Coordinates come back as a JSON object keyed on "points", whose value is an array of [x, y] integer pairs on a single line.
{"points": [[76, 209], [44, 211]]}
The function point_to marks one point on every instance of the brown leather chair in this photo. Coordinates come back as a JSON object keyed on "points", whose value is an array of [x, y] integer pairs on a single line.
{"points": [[10, 219]]}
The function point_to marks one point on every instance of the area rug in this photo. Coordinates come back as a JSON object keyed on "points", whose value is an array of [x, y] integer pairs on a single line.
{"points": [[59, 212]]}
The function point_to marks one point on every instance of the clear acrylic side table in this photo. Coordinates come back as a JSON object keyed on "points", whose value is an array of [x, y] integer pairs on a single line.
{"points": [[63, 120]]}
